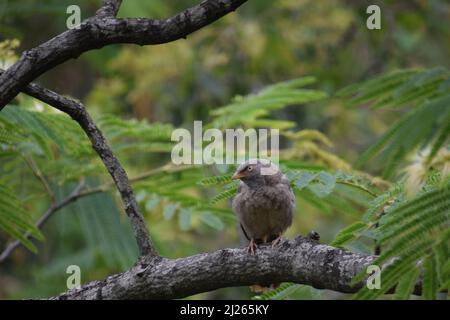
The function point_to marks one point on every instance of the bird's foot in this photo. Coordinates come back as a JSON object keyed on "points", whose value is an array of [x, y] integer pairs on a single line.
{"points": [[277, 241], [251, 247]]}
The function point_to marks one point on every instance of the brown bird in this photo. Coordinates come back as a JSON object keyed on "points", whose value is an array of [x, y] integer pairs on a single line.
{"points": [[264, 202]]}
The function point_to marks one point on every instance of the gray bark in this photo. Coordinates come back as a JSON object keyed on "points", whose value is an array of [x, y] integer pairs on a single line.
{"points": [[302, 260]]}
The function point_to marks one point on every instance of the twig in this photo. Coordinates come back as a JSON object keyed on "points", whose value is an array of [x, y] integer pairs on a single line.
{"points": [[42, 220], [167, 168], [38, 174], [80, 193], [358, 186]]}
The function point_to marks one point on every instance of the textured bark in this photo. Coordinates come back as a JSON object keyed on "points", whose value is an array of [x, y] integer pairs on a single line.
{"points": [[109, 8], [104, 29], [302, 260], [120, 178]]}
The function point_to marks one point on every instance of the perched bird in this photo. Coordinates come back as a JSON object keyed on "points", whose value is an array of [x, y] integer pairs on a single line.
{"points": [[264, 202]]}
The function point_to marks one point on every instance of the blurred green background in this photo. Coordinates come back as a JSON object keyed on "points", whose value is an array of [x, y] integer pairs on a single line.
{"points": [[171, 85]]}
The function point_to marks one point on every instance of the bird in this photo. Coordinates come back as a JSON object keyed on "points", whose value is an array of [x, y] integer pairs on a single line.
{"points": [[264, 202]]}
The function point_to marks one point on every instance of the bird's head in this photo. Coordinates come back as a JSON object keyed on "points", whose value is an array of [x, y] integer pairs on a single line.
{"points": [[255, 171]]}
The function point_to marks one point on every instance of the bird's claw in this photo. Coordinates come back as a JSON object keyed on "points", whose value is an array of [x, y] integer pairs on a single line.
{"points": [[251, 247], [276, 242]]}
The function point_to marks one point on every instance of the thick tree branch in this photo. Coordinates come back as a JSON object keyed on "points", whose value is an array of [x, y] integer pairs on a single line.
{"points": [[302, 260], [117, 172], [77, 111], [105, 29]]}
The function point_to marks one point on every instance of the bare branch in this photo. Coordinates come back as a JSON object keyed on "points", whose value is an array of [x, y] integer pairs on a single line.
{"points": [[119, 176], [38, 174], [302, 261], [97, 32], [40, 223]]}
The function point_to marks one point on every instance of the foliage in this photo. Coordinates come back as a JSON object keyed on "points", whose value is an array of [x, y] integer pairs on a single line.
{"points": [[410, 233], [270, 98], [428, 123], [14, 219]]}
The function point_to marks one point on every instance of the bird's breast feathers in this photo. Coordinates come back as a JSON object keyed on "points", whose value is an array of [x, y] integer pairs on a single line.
{"points": [[268, 198], [266, 211]]}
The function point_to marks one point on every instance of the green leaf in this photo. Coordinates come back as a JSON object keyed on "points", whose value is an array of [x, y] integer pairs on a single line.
{"points": [[430, 279], [215, 180], [324, 185], [245, 111], [212, 221], [169, 211], [406, 284], [15, 221], [304, 179], [152, 203], [184, 219], [282, 292], [226, 194], [348, 234]]}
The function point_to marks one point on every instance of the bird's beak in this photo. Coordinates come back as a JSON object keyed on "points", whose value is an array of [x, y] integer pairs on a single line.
{"points": [[238, 175]]}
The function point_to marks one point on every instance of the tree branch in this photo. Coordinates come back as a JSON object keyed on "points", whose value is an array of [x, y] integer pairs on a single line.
{"points": [[77, 111], [167, 168], [105, 29], [38, 174], [302, 261], [81, 193], [118, 174]]}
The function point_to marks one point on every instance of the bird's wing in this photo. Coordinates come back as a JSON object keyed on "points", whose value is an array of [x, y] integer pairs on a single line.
{"points": [[287, 184]]}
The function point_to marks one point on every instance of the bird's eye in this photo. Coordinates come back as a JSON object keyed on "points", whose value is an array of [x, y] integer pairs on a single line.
{"points": [[250, 168]]}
